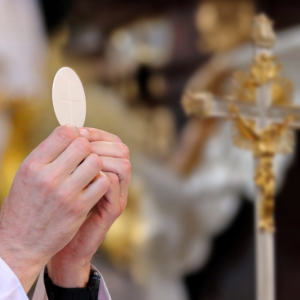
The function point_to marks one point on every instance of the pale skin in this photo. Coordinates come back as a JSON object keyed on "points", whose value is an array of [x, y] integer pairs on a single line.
{"points": [[71, 266], [65, 196]]}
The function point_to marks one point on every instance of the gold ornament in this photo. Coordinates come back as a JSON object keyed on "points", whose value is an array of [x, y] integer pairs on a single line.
{"points": [[197, 103], [264, 144], [244, 89], [282, 91], [223, 24], [264, 69], [263, 34], [274, 138]]}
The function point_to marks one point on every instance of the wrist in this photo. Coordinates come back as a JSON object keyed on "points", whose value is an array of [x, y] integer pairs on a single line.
{"points": [[89, 292], [25, 267], [69, 274]]}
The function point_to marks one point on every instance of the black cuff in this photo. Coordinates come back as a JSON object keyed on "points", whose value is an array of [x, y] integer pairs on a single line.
{"points": [[90, 292]]}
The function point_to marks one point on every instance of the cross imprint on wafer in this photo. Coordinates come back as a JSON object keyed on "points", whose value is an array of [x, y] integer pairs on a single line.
{"points": [[68, 98]]}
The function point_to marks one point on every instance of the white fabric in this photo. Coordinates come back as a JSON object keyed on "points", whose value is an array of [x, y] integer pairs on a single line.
{"points": [[10, 286]]}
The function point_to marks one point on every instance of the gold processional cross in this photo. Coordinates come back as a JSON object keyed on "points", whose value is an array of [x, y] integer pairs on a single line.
{"points": [[263, 116]]}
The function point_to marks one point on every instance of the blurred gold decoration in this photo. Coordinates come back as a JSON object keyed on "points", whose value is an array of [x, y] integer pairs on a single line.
{"points": [[280, 141], [282, 91], [274, 139], [264, 144], [244, 89], [249, 109], [197, 103], [264, 69], [19, 143], [224, 24], [263, 34]]}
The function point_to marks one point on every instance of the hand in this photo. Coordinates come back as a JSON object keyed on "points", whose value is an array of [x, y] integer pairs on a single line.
{"points": [[71, 266], [50, 198]]}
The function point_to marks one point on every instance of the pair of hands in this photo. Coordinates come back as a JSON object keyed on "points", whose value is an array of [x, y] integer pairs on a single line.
{"points": [[65, 196]]}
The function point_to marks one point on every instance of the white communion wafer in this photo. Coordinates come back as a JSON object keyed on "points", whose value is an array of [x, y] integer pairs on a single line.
{"points": [[68, 98]]}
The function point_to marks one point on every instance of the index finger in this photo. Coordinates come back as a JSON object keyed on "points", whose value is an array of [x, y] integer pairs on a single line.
{"points": [[94, 135]]}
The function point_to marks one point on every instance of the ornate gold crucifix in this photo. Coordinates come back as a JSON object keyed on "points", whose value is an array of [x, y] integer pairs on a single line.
{"points": [[263, 116]]}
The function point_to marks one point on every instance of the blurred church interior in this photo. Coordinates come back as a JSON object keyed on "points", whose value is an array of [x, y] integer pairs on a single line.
{"points": [[188, 230]]}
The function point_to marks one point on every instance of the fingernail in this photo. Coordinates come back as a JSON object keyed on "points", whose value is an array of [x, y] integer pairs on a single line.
{"points": [[72, 127], [84, 132]]}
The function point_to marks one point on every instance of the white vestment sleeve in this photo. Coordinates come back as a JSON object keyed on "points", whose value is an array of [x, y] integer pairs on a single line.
{"points": [[40, 291], [10, 286]]}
